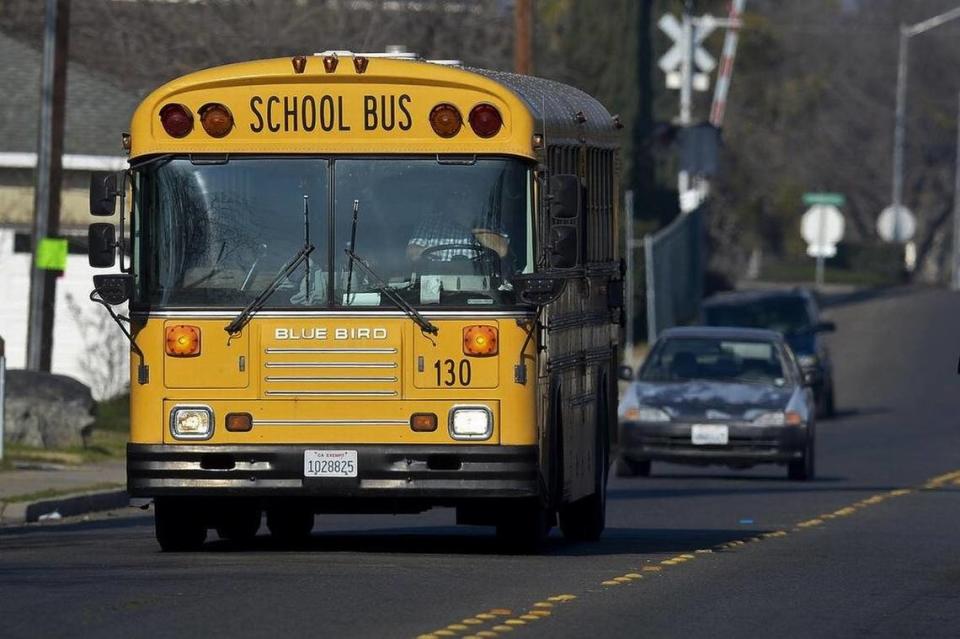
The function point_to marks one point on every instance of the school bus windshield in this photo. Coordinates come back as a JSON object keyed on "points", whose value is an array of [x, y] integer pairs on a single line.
{"points": [[215, 233]]}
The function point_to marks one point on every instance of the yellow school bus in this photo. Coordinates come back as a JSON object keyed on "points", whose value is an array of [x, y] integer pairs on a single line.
{"points": [[364, 284]]}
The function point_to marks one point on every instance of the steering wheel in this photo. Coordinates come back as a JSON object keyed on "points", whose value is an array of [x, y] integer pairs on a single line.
{"points": [[481, 253]]}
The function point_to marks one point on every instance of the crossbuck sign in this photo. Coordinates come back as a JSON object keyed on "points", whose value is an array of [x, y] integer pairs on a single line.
{"points": [[670, 62]]}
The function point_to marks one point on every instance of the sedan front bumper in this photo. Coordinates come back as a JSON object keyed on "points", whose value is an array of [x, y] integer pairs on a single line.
{"points": [[747, 444]]}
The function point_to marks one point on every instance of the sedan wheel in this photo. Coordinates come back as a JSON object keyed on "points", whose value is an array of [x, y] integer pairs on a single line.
{"points": [[803, 469]]}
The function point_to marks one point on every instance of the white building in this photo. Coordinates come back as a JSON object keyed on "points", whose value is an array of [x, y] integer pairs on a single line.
{"points": [[86, 343]]}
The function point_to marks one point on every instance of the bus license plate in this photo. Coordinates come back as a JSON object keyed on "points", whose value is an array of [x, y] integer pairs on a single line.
{"points": [[709, 435], [330, 463]]}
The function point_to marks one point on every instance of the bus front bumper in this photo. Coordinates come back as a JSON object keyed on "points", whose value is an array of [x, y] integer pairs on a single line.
{"points": [[436, 474]]}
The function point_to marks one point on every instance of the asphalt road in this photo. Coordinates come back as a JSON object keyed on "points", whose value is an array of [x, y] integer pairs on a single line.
{"points": [[868, 549]]}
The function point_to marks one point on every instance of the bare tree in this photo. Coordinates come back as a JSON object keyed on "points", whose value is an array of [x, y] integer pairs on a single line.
{"points": [[105, 353]]}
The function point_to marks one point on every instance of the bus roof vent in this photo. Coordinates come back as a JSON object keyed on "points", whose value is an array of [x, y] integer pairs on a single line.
{"points": [[394, 51], [447, 63]]}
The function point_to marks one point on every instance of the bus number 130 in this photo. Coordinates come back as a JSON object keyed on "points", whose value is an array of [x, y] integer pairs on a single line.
{"points": [[450, 372]]}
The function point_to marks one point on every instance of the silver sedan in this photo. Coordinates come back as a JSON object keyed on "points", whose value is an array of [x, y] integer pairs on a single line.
{"points": [[730, 396]]}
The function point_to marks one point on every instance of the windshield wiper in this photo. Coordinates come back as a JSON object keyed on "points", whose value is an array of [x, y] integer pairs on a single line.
{"points": [[382, 288], [243, 318]]}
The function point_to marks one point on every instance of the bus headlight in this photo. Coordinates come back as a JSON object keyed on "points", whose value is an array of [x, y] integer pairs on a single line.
{"points": [[471, 422], [191, 422]]}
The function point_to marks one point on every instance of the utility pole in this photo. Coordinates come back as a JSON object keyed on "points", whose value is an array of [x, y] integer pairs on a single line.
{"points": [[523, 37], [899, 126], [46, 221], [629, 302], [686, 83], [643, 167]]}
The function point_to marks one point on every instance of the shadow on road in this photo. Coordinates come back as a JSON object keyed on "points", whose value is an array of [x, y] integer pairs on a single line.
{"points": [[860, 296], [133, 520], [846, 412], [482, 541]]}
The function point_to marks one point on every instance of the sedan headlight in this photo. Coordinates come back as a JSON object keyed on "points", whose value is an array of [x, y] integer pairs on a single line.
{"points": [[471, 422], [807, 361], [191, 422], [645, 414], [778, 418]]}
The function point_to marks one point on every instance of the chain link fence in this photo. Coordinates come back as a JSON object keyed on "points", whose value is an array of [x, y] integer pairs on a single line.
{"points": [[674, 264]]}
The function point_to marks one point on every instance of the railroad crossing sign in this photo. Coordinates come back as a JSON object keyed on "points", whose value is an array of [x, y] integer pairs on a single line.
{"points": [[896, 224], [822, 227], [671, 61]]}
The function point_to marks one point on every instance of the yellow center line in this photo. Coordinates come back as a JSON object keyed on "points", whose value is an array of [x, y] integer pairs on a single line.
{"points": [[539, 609]]}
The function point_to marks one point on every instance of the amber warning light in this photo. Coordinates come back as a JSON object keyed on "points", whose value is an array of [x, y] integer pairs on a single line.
{"points": [[216, 119], [480, 341], [445, 120], [183, 341]]}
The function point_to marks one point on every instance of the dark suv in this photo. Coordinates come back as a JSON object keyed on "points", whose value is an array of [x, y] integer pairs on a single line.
{"points": [[792, 312]]}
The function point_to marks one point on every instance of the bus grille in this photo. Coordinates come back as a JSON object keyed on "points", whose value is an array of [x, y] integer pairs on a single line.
{"points": [[321, 372]]}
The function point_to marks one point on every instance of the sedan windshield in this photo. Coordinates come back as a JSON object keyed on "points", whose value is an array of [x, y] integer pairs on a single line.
{"points": [[437, 232], [738, 361]]}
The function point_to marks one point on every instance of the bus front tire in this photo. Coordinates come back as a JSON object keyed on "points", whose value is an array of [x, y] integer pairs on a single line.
{"points": [[524, 529], [179, 527]]}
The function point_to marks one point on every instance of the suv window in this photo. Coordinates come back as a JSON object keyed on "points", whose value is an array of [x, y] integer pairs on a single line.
{"points": [[787, 314]]}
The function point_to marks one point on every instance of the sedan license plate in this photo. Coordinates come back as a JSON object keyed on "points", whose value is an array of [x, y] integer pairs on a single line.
{"points": [[709, 434], [330, 463]]}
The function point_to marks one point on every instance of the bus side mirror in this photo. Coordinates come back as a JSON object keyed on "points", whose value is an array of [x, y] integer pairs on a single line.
{"points": [[114, 288], [625, 373], [565, 196], [103, 193], [102, 245], [564, 246], [565, 203]]}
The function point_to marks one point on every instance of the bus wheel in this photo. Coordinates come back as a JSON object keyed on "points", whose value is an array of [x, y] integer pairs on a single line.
{"points": [[585, 519], [290, 524], [239, 523], [523, 529], [179, 526]]}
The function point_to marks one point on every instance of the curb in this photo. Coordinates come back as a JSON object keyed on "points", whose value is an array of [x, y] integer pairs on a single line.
{"points": [[66, 506]]}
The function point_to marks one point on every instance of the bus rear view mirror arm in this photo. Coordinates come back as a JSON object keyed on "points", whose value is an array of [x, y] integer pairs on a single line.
{"points": [[110, 290]]}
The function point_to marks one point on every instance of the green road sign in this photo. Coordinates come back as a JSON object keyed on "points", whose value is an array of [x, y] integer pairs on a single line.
{"points": [[52, 254], [836, 199]]}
